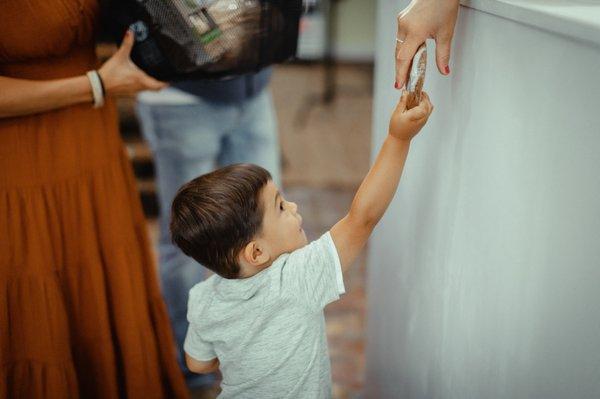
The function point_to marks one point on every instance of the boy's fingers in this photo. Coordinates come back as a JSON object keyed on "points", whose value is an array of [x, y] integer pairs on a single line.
{"points": [[422, 110], [403, 100], [418, 112], [425, 98]]}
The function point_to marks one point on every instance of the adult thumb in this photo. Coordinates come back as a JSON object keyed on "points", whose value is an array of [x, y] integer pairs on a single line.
{"points": [[442, 53], [127, 43]]}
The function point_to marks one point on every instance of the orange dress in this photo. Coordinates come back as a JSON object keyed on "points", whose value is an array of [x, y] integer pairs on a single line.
{"points": [[81, 314]]}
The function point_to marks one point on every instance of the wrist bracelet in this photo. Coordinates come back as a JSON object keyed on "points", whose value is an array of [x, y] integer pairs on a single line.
{"points": [[97, 88], [101, 84]]}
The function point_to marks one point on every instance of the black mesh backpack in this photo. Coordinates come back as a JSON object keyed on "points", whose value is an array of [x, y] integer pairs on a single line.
{"points": [[200, 39]]}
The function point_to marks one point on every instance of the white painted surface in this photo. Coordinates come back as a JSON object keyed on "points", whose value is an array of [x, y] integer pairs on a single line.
{"points": [[484, 276], [578, 19]]}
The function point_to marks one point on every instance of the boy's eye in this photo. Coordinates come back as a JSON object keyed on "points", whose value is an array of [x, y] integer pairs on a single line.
{"points": [[281, 206]]}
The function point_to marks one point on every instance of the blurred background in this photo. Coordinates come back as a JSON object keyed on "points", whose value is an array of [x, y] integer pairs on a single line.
{"points": [[323, 101]]}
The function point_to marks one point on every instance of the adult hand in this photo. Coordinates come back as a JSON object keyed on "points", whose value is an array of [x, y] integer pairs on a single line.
{"points": [[421, 20], [121, 76]]}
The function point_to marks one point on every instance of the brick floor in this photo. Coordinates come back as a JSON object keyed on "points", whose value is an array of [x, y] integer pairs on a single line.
{"points": [[345, 318]]}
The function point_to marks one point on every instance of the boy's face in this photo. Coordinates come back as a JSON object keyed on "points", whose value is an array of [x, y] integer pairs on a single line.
{"points": [[282, 224]]}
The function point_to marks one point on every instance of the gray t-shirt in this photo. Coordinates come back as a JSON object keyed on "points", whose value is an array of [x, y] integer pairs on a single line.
{"points": [[268, 331]]}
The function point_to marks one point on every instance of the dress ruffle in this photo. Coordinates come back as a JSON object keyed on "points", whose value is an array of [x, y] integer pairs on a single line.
{"points": [[80, 306]]}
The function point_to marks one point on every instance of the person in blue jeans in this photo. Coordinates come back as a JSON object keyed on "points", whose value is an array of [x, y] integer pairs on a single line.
{"points": [[194, 127]]}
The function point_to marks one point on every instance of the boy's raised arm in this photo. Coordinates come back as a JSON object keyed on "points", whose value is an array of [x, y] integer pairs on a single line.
{"points": [[379, 186]]}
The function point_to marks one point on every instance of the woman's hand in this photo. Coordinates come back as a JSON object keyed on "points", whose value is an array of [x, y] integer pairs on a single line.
{"points": [[422, 20], [121, 76], [405, 124]]}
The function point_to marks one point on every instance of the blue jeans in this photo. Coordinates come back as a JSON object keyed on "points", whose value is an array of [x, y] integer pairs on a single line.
{"points": [[188, 141]]}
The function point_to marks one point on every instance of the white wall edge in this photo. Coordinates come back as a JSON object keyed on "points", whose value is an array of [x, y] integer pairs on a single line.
{"points": [[576, 19]]}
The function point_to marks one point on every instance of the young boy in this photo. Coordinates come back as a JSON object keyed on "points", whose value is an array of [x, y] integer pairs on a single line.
{"points": [[260, 318]]}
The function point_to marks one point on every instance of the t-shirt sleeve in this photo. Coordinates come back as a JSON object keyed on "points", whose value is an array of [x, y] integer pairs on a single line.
{"points": [[313, 274], [196, 347]]}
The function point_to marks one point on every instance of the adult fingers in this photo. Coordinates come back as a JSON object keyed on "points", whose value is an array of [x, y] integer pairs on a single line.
{"points": [[442, 53], [404, 53]]}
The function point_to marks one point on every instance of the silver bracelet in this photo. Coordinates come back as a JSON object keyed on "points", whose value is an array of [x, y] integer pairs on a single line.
{"points": [[97, 88]]}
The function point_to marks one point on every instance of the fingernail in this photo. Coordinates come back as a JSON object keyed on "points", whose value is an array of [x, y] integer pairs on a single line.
{"points": [[396, 85], [447, 70]]}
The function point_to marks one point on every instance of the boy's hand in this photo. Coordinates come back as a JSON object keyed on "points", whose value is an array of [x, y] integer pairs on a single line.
{"points": [[405, 124]]}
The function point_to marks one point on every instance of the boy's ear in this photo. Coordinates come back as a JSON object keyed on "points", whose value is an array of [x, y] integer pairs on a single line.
{"points": [[255, 254]]}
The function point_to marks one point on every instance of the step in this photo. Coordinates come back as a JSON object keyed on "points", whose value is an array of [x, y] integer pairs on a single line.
{"points": [[147, 190]]}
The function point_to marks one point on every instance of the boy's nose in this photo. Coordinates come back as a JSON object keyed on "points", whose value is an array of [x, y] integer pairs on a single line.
{"points": [[293, 207]]}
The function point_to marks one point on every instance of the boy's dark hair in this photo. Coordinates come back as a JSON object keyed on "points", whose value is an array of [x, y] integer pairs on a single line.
{"points": [[215, 215]]}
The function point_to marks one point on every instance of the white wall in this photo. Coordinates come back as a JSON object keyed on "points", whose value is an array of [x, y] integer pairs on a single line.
{"points": [[356, 30], [484, 276], [354, 34]]}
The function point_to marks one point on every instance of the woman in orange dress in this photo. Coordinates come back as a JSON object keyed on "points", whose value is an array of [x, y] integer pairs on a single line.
{"points": [[81, 313]]}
